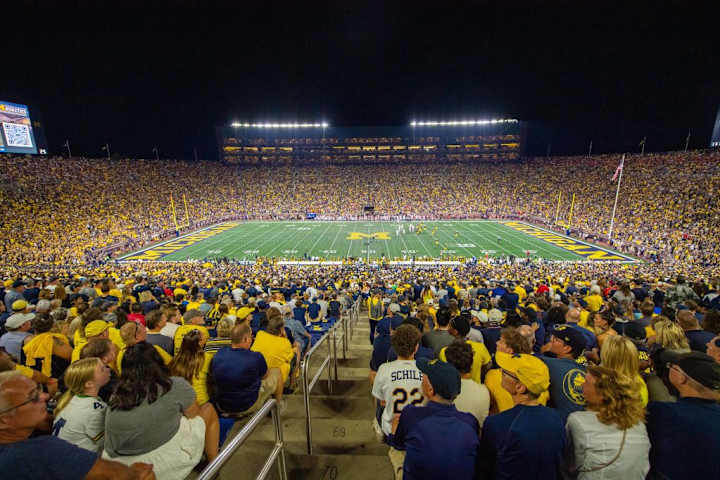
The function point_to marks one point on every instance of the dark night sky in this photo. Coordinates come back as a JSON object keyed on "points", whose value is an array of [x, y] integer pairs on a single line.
{"points": [[166, 77]]}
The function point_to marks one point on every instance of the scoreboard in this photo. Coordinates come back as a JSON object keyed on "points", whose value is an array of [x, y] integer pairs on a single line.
{"points": [[16, 129]]}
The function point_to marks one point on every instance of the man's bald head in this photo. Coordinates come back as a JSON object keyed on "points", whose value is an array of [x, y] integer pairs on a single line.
{"points": [[572, 315]]}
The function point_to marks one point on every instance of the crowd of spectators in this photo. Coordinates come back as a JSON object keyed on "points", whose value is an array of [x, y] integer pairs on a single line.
{"points": [[70, 211], [599, 377]]}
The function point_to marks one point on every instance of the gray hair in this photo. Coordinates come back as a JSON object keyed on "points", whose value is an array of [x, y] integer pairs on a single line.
{"points": [[42, 306]]}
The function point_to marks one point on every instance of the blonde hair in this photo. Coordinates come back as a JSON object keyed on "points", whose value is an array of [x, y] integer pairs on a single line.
{"points": [[670, 335], [76, 375], [621, 404], [620, 354], [225, 326]]}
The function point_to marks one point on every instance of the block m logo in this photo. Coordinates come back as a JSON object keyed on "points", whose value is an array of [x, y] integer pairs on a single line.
{"points": [[376, 236]]}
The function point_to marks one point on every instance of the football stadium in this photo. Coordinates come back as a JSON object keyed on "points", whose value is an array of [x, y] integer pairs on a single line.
{"points": [[233, 251]]}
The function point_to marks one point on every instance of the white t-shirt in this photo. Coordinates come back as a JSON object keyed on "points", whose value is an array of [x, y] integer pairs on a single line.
{"points": [[474, 399], [82, 423], [169, 329], [397, 383]]}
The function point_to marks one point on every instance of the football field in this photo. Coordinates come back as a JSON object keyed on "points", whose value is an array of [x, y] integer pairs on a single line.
{"points": [[301, 240]]}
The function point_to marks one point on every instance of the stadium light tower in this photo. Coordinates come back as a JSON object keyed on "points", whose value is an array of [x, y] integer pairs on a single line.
{"points": [[461, 123], [275, 125]]}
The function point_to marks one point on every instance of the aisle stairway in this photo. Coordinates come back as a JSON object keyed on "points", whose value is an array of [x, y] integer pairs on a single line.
{"points": [[344, 443]]}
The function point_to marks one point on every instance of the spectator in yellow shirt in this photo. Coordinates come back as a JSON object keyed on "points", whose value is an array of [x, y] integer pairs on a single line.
{"points": [[459, 328], [594, 300], [274, 347]]}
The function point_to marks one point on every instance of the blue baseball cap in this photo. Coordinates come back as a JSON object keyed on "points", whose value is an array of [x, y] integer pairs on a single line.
{"points": [[387, 323], [444, 377]]}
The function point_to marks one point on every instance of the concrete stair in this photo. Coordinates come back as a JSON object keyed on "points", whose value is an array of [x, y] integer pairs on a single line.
{"points": [[344, 443]]}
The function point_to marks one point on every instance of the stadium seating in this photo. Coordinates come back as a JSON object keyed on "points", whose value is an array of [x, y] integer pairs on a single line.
{"points": [[68, 212], [63, 218]]}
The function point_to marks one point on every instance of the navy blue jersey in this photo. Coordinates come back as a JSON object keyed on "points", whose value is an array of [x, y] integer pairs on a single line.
{"points": [[422, 429], [523, 442]]}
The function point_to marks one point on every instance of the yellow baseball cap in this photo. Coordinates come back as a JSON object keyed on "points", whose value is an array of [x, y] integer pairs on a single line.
{"points": [[96, 327], [531, 371], [18, 305]]}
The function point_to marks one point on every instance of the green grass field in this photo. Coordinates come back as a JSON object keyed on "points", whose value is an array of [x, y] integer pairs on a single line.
{"points": [[338, 240]]}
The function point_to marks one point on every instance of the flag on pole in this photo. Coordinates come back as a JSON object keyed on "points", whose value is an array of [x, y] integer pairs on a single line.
{"points": [[104, 148], [67, 144], [619, 168]]}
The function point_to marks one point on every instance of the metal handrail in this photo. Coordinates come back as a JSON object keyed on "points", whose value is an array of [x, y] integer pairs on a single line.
{"points": [[308, 385], [277, 453], [349, 319]]}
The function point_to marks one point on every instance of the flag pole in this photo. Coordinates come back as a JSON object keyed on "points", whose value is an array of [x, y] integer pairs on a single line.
{"points": [[617, 192], [67, 145], [572, 204], [687, 140]]}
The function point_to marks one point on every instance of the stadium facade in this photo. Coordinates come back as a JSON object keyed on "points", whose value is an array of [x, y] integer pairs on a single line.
{"points": [[421, 141]]}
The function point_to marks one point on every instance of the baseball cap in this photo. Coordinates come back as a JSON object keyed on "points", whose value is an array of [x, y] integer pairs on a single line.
{"points": [[531, 371], [444, 377], [19, 305], [388, 323], [572, 337], [262, 304], [190, 314], [96, 327], [700, 367], [204, 308], [17, 320], [18, 283], [634, 331], [461, 324]]}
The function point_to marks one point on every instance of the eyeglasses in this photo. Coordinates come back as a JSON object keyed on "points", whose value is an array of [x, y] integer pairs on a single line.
{"points": [[34, 398]]}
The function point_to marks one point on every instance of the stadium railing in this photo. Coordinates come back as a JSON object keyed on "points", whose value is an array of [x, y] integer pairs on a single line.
{"points": [[330, 360], [349, 319], [277, 453]]}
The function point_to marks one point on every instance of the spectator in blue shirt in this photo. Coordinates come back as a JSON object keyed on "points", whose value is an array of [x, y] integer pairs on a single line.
{"points": [[438, 440], [242, 379], [528, 440], [572, 317], [314, 311], [381, 344], [566, 374], [697, 337], [684, 434]]}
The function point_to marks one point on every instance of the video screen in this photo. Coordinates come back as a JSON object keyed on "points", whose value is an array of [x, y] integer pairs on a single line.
{"points": [[16, 132]]}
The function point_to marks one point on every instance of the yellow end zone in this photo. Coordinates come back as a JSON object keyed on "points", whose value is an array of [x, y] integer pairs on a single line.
{"points": [[159, 251], [589, 252]]}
